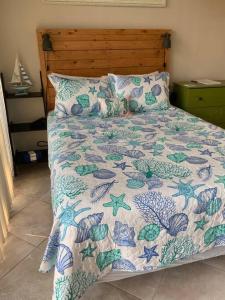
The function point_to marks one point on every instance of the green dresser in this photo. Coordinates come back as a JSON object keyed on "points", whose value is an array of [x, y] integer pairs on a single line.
{"points": [[206, 102]]}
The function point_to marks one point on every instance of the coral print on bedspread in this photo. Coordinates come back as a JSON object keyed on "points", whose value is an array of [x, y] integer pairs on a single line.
{"points": [[132, 194]]}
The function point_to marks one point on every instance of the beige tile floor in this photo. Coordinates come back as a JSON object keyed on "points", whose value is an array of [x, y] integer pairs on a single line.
{"points": [[29, 227]]}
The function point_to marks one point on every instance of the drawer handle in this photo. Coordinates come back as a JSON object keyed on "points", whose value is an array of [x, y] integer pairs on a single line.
{"points": [[200, 99]]}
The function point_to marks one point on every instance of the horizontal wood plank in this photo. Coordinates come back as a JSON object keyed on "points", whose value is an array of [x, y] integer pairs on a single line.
{"points": [[103, 63], [106, 54], [109, 45], [72, 32], [108, 37]]}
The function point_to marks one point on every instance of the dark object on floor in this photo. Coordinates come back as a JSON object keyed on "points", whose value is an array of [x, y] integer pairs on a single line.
{"points": [[31, 156]]}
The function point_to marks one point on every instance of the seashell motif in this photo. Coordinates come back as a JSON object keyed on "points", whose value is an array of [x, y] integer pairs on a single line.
{"points": [[203, 198], [110, 148], [205, 173], [136, 80], [78, 136], [176, 147], [106, 258], [213, 206], [134, 184], [150, 98], [83, 100], [124, 235], [177, 223], [104, 174], [149, 232], [98, 232], [220, 241], [148, 130], [84, 226], [64, 259], [196, 160], [94, 158], [123, 82], [154, 182], [83, 170], [213, 233], [177, 157], [136, 92], [123, 264], [210, 142], [76, 109], [219, 135], [136, 176], [133, 105], [156, 90], [133, 153], [148, 146], [149, 136], [114, 156], [101, 190]]}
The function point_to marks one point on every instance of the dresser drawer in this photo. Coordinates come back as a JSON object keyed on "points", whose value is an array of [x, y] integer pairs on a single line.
{"points": [[215, 115], [207, 97]]}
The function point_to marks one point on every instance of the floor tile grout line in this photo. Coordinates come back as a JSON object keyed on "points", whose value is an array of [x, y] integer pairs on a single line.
{"points": [[21, 239], [124, 291], [1, 277], [19, 211]]}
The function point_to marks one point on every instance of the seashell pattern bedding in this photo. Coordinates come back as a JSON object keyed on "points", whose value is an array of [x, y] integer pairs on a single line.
{"points": [[132, 194]]}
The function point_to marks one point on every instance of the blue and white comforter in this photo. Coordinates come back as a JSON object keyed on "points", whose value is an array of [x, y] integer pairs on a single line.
{"points": [[132, 194]]}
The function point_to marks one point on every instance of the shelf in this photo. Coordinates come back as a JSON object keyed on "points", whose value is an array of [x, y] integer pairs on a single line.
{"points": [[24, 127], [30, 95]]}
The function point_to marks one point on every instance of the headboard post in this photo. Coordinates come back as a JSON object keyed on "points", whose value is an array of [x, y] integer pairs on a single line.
{"points": [[97, 52]]}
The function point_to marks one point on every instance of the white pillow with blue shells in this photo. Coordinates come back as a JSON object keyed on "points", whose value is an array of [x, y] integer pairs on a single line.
{"points": [[78, 95], [142, 93]]}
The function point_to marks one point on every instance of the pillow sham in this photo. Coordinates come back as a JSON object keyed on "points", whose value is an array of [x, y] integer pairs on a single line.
{"points": [[142, 93], [78, 95]]}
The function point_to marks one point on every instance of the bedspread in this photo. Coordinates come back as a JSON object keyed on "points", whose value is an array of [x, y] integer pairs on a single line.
{"points": [[132, 194]]}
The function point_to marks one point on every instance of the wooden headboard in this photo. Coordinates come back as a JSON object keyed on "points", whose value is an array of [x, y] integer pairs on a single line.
{"points": [[97, 52]]}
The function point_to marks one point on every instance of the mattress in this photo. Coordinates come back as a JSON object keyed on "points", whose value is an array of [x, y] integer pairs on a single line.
{"points": [[132, 195]]}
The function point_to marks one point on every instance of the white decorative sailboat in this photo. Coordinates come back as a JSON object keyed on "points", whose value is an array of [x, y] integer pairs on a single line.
{"points": [[20, 80]]}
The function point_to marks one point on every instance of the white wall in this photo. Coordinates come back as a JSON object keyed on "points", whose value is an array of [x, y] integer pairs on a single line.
{"points": [[198, 39]]}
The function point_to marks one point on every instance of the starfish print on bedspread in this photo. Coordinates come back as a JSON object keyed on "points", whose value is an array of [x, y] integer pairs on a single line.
{"points": [[121, 166], [149, 253], [116, 203], [88, 252]]}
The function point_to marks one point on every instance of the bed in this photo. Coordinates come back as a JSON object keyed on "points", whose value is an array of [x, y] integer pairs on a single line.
{"points": [[130, 195]]}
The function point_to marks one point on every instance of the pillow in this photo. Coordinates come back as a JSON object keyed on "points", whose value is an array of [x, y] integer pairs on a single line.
{"points": [[112, 107], [78, 95], [142, 93]]}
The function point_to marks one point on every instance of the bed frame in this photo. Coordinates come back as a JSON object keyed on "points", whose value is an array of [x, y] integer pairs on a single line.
{"points": [[97, 52]]}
